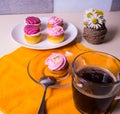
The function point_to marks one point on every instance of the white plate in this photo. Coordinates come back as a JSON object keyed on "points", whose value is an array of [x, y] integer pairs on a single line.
{"points": [[18, 36]]}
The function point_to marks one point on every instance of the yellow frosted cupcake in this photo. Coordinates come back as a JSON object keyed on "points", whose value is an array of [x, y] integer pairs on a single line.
{"points": [[32, 34], [55, 34]]}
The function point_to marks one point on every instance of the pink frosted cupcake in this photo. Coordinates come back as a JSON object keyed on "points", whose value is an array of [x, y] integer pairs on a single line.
{"points": [[55, 34], [53, 21], [31, 20], [32, 34], [56, 65]]}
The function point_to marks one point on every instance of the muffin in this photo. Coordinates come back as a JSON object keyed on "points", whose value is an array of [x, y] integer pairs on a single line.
{"points": [[53, 21], [95, 30], [56, 65], [32, 34], [31, 20], [55, 34]]}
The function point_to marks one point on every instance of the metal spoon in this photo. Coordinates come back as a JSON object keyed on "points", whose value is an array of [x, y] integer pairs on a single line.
{"points": [[46, 81]]}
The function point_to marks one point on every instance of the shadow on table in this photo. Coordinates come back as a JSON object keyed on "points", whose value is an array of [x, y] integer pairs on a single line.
{"points": [[79, 36], [111, 32]]}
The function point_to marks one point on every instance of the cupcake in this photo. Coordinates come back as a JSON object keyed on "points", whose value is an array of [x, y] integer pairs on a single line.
{"points": [[53, 21], [95, 30], [56, 65], [32, 34], [31, 20], [55, 34]]}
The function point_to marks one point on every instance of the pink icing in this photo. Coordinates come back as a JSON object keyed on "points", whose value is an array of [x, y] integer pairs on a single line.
{"points": [[55, 31], [55, 20], [32, 20], [31, 29], [56, 61]]}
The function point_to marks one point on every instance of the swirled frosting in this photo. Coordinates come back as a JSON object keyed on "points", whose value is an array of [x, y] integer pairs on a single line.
{"points": [[56, 61], [31, 29], [55, 31], [55, 20], [32, 20]]}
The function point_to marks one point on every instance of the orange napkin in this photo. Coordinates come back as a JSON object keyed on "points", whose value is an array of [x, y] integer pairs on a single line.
{"points": [[21, 95]]}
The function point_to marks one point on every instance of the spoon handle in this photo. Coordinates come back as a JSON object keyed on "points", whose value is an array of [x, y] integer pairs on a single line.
{"points": [[42, 107]]}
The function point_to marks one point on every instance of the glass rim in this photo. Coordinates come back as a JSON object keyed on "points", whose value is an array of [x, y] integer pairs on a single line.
{"points": [[99, 84], [101, 52]]}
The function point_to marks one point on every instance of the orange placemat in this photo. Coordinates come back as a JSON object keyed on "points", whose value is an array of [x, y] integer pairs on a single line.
{"points": [[20, 95]]}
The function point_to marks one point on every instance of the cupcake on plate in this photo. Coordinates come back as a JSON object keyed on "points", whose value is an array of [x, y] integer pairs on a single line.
{"points": [[55, 34], [54, 20], [32, 34], [95, 29], [56, 65], [32, 20]]}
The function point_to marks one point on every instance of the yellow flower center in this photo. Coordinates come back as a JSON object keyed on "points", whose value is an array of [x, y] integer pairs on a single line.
{"points": [[85, 23], [99, 12], [89, 15], [94, 21]]}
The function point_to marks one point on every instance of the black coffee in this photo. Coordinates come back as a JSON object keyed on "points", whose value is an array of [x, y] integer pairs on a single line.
{"points": [[95, 74], [84, 99]]}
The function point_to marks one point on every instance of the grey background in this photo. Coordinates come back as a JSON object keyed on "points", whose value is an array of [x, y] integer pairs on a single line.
{"points": [[115, 5], [36, 6], [25, 6]]}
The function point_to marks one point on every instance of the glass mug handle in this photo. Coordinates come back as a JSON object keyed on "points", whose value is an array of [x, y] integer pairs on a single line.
{"points": [[118, 96]]}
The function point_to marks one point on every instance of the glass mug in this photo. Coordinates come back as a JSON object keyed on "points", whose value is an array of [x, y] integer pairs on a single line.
{"points": [[95, 81]]}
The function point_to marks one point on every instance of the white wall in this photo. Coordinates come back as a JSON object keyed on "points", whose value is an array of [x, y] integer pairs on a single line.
{"points": [[81, 5]]}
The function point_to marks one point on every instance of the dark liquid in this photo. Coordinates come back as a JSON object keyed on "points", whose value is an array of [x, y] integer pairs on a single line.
{"points": [[86, 100], [95, 74]]}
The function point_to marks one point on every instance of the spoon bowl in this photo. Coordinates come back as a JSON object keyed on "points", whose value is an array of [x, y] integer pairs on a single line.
{"points": [[47, 81]]}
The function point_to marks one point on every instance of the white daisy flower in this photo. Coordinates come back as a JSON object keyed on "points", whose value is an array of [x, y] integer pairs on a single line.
{"points": [[99, 12], [85, 22], [89, 13], [95, 21], [93, 18]]}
